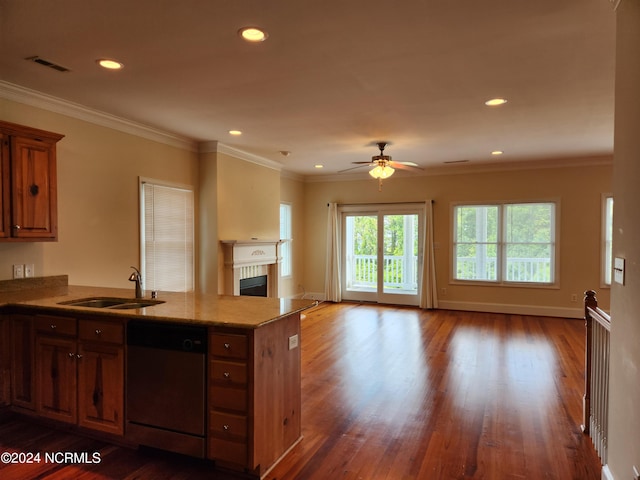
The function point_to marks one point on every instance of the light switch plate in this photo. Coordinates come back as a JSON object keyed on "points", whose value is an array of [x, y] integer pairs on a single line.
{"points": [[293, 342], [18, 271], [618, 270], [29, 270]]}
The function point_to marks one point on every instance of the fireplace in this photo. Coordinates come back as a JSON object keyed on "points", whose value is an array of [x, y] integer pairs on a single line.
{"points": [[254, 286], [248, 260]]}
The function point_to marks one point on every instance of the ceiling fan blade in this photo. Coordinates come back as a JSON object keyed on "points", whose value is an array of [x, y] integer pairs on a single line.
{"points": [[354, 168], [364, 163], [406, 166]]}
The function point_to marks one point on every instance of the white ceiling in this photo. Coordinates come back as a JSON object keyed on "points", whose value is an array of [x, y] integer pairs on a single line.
{"points": [[334, 76]]}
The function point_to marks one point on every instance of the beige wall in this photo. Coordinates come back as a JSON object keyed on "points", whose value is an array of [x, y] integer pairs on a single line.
{"points": [[579, 238], [98, 170], [292, 192], [624, 388], [248, 203]]}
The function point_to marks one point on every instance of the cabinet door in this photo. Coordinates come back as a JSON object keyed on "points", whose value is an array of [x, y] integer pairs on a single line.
{"points": [[22, 362], [56, 374], [5, 360], [101, 387], [33, 175], [5, 185]]}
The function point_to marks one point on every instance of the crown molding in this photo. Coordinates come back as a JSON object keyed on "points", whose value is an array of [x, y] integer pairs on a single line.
{"points": [[217, 147], [16, 93]]}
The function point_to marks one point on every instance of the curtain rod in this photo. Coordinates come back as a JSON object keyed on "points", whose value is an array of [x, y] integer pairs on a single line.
{"points": [[376, 203]]}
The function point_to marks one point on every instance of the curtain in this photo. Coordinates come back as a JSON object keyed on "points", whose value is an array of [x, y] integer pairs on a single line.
{"points": [[332, 287], [429, 288]]}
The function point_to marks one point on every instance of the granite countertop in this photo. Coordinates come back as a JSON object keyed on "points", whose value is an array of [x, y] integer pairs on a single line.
{"points": [[210, 310]]}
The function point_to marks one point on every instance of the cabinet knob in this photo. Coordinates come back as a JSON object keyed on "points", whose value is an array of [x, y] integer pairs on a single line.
{"points": [[53, 326], [17, 227], [71, 355], [98, 331], [226, 375], [78, 355], [227, 346], [226, 428]]}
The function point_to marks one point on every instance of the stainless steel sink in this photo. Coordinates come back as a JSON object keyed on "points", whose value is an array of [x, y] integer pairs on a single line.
{"points": [[112, 303], [140, 304]]}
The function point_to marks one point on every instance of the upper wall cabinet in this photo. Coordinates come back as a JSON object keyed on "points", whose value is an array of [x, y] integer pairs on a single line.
{"points": [[29, 186]]}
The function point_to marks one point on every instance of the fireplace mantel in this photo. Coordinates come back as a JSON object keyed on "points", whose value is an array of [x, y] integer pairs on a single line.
{"points": [[249, 258]]}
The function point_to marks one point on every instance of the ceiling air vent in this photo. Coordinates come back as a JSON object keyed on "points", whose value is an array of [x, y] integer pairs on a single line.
{"points": [[47, 63]]}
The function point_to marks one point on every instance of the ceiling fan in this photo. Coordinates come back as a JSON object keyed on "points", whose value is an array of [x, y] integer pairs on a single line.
{"points": [[383, 166]]}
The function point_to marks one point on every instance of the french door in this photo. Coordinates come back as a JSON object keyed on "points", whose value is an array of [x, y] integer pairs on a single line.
{"points": [[382, 253]]}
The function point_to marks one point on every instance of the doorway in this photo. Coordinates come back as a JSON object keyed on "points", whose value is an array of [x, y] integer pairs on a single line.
{"points": [[382, 253]]}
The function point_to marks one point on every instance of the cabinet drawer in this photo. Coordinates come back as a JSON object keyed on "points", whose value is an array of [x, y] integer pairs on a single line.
{"points": [[228, 451], [56, 325], [228, 345], [101, 331], [228, 426], [228, 372], [227, 398]]}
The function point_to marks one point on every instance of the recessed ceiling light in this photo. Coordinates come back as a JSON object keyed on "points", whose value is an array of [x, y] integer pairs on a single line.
{"points": [[110, 64], [495, 102], [253, 34], [235, 132], [497, 152], [319, 166]]}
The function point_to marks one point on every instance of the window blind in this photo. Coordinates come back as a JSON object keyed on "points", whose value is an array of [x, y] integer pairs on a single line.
{"points": [[167, 238]]}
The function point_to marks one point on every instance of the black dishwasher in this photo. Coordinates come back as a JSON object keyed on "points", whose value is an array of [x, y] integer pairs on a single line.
{"points": [[166, 386]]}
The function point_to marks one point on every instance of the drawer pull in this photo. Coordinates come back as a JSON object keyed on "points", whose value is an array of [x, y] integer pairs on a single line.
{"points": [[226, 428], [53, 326], [98, 332], [227, 346], [71, 355], [226, 375], [79, 356]]}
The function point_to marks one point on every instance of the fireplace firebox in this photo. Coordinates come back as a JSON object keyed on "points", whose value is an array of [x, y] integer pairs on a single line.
{"points": [[254, 286]]}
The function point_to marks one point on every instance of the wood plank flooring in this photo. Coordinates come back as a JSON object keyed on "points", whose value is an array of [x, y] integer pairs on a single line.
{"points": [[398, 393]]}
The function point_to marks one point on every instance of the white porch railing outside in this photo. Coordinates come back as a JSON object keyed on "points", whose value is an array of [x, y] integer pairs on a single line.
{"points": [[398, 271], [518, 269]]}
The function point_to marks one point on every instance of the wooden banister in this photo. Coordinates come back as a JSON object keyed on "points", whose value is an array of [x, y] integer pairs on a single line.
{"points": [[590, 301]]}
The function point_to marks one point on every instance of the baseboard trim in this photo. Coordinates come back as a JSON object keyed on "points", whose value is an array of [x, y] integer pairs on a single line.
{"points": [[538, 310], [606, 473]]}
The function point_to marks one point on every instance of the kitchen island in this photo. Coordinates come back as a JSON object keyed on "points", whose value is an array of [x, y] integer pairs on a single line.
{"points": [[70, 364]]}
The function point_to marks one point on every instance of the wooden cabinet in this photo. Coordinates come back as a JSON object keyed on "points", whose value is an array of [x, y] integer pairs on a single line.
{"points": [[5, 360], [228, 398], [101, 376], [80, 372], [254, 394], [28, 190], [56, 367], [22, 362]]}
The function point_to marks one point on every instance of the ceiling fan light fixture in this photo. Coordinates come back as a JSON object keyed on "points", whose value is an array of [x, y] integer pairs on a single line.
{"points": [[381, 171]]}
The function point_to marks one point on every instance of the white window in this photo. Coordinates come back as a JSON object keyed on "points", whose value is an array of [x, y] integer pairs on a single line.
{"points": [[509, 243], [166, 236], [607, 238], [285, 236]]}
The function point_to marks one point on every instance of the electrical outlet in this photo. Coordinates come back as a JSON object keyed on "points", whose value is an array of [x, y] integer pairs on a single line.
{"points": [[444, 291], [293, 341], [29, 270], [18, 271], [574, 297]]}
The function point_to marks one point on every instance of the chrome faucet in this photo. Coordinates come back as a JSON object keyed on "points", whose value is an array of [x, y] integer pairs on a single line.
{"points": [[137, 277]]}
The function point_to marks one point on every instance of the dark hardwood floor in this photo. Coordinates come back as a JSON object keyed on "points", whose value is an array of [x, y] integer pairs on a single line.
{"points": [[397, 393]]}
